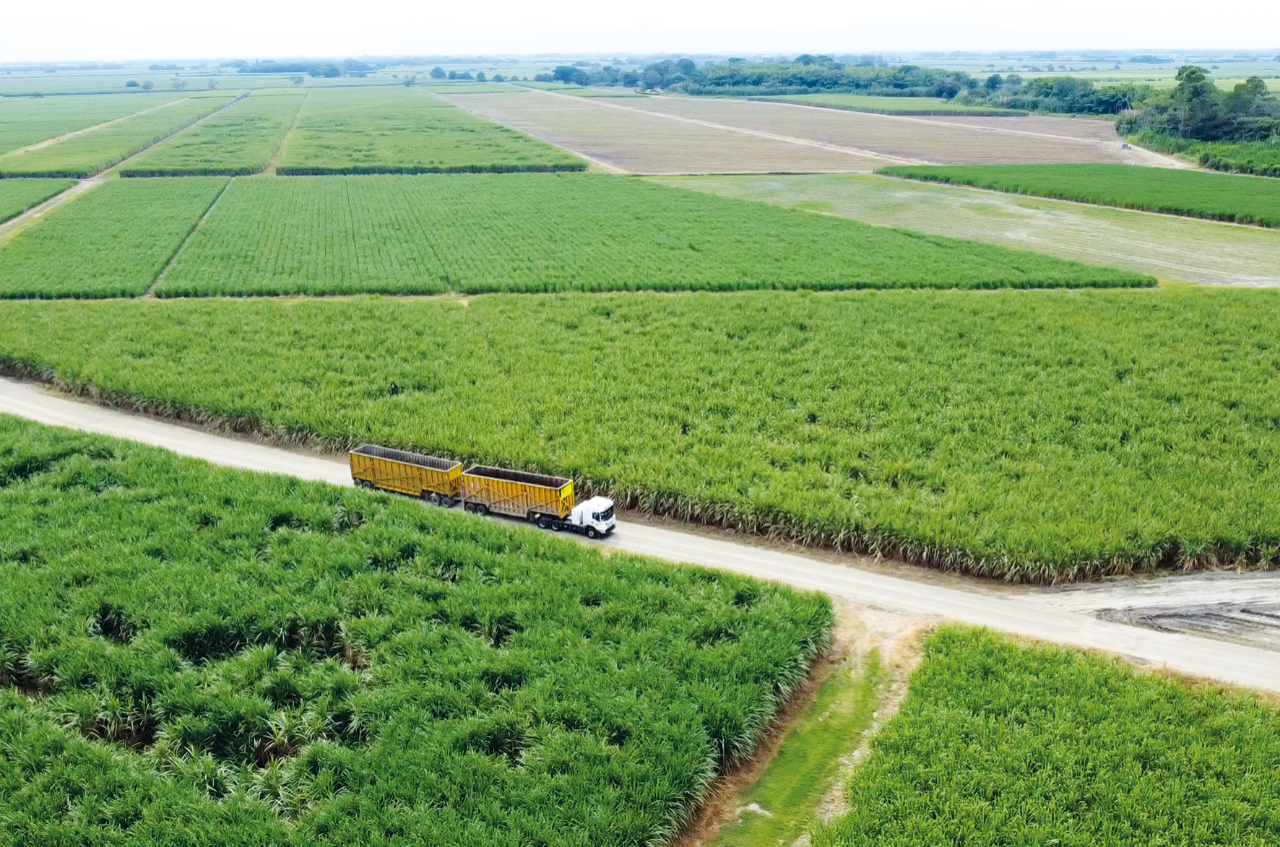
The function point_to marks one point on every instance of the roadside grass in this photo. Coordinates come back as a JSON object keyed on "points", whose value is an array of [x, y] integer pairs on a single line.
{"points": [[193, 654], [1239, 199], [1000, 744], [18, 195], [1259, 158], [109, 242], [889, 105], [809, 760]]}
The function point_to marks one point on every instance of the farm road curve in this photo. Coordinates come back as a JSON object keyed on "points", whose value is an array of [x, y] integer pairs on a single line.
{"points": [[1067, 617]]}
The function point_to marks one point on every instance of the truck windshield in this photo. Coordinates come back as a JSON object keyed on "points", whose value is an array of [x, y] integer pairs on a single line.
{"points": [[606, 515]]}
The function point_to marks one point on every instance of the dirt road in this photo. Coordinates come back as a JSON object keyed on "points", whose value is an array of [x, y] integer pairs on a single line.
{"points": [[1059, 617]]}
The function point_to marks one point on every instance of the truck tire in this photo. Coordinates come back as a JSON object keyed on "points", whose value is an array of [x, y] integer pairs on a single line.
{"points": [[557, 525], [468, 507], [542, 521], [482, 509], [592, 533], [431, 497], [446, 502]]}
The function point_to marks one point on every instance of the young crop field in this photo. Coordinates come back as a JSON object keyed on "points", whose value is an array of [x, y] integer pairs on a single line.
{"points": [[85, 155], [215, 656], [18, 195], [1170, 248], [888, 105], [408, 131], [110, 242], [544, 232], [1039, 436], [25, 121], [1248, 200], [1259, 158], [1000, 744], [239, 140]]}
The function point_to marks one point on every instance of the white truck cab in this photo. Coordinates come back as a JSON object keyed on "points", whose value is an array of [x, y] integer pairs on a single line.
{"points": [[593, 518]]}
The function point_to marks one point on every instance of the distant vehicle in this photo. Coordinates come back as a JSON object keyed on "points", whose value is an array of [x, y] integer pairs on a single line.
{"points": [[1125, 147], [547, 501]]}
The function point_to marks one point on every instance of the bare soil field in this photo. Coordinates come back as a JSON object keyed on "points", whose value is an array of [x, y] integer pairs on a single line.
{"points": [[1170, 248], [1096, 129], [942, 140], [620, 138]]}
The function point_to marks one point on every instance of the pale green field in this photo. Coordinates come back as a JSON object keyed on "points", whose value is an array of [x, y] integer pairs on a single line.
{"points": [[1170, 248]]}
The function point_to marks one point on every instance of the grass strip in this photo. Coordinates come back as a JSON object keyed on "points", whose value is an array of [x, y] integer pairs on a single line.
{"points": [[1200, 195], [1030, 436], [226, 657], [1000, 744]]}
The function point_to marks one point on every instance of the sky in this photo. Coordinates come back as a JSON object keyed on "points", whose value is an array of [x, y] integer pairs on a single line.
{"points": [[149, 29]]}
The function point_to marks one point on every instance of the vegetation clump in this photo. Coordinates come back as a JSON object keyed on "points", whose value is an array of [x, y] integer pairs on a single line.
{"points": [[215, 653], [1002, 744]]}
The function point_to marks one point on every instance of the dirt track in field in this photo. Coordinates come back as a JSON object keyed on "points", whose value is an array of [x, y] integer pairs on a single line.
{"points": [[1037, 614]]}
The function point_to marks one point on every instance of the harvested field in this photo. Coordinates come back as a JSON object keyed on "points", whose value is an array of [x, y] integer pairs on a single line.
{"points": [[1097, 129], [637, 142], [1170, 248], [952, 141]]}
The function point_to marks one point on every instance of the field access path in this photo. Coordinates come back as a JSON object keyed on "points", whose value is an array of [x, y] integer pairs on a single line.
{"points": [[1067, 617]]}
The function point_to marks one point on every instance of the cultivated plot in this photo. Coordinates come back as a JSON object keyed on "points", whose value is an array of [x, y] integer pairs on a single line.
{"points": [[635, 142], [545, 232], [888, 105], [1241, 199], [86, 154], [249, 659], [111, 241], [25, 121], [18, 195], [408, 131], [239, 140], [1166, 247], [1047, 746], [952, 141], [1024, 435]]}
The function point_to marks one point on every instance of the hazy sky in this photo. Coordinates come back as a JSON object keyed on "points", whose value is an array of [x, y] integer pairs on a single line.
{"points": [[58, 30]]}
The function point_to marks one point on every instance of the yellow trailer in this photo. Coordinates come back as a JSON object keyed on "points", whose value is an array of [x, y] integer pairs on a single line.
{"points": [[516, 493], [438, 481]]}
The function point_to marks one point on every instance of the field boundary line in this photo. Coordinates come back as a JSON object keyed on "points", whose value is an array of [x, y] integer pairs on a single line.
{"points": [[1169, 161], [592, 159], [49, 142], [173, 257], [788, 139], [270, 167]]}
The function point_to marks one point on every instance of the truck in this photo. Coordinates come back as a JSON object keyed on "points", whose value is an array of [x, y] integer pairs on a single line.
{"points": [[438, 481], [547, 501]]}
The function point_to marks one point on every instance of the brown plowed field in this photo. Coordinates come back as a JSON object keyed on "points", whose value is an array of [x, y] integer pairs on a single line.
{"points": [[642, 143]]}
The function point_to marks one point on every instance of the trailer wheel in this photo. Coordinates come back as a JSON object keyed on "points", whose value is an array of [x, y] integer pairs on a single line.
{"points": [[592, 533], [557, 525], [542, 522], [431, 497], [481, 509], [446, 502], [468, 507]]}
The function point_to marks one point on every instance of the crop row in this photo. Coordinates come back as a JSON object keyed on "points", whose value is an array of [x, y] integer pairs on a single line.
{"points": [[112, 241], [98, 149], [543, 233], [30, 120], [239, 140], [889, 105], [999, 744], [1037, 436], [1202, 195], [247, 659], [18, 195], [408, 131]]}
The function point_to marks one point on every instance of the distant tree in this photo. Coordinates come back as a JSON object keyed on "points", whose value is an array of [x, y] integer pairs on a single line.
{"points": [[480, 77], [652, 79], [178, 84], [465, 75], [410, 81], [453, 74], [147, 85], [213, 83], [994, 83], [437, 73], [499, 78], [297, 80], [631, 79], [570, 75], [687, 67], [133, 83]]}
